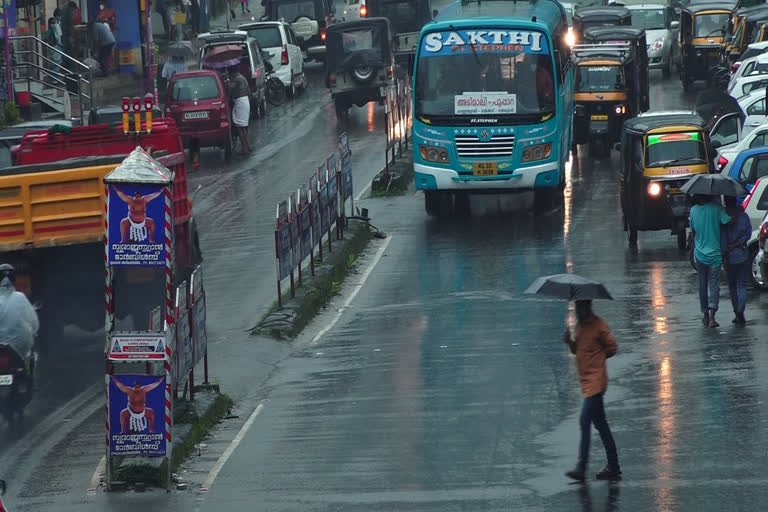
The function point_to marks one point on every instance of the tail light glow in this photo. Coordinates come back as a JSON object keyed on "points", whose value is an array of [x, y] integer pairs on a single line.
{"points": [[322, 35], [763, 232], [721, 163], [363, 10], [284, 56]]}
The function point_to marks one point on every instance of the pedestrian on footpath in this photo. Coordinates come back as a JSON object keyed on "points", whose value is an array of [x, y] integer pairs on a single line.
{"points": [[707, 218], [103, 43], [244, 6], [734, 245], [593, 344], [240, 92]]}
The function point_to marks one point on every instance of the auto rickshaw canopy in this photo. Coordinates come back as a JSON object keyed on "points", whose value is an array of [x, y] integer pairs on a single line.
{"points": [[659, 122], [589, 17]]}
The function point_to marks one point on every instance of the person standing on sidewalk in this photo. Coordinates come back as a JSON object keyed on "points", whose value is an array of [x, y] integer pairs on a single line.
{"points": [[707, 217], [734, 244], [593, 344], [103, 43]]}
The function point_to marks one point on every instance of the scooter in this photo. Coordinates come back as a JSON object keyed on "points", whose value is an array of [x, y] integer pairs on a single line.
{"points": [[17, 381], [2, 492]]}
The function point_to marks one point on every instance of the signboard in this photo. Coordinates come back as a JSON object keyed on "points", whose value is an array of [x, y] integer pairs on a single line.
{"points": [[305, 225], [184, 350], [136, 225], [479, 42], [284, 264], [333, 198], [346, 175], [137, 347], [156, 319], [485, 103], [323, 200], [294, 210], [137, 415], [344, 143], [314, 208]]}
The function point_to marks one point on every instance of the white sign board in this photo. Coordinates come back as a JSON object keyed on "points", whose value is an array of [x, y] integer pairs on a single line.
{"points": [[485, 103], [137, 347]]}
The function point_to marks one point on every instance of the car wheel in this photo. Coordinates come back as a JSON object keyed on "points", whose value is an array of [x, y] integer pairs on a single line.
{"points": [[756, 273]]}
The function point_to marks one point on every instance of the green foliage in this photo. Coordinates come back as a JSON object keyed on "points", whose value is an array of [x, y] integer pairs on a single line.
{"points": [[11, 113]]}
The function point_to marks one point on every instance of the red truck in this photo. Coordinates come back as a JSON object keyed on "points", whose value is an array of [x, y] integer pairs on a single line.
{"points": [[52, 216]]}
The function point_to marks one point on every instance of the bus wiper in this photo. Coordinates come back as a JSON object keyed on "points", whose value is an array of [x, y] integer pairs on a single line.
{"points": [[471, 47], [665, 163]]}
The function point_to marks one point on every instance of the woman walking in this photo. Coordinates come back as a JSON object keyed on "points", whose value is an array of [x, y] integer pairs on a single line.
{"points": [[735, 236]]}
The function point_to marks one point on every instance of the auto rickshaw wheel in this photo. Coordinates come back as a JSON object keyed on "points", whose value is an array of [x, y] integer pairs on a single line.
{"points": [[666, 71]]}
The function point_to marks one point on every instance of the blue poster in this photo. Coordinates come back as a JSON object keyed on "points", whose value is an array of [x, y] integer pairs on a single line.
{"points": [[136, 225], [325, 223], [137, 415], [333, 199], [496, 41], [346, 175]]}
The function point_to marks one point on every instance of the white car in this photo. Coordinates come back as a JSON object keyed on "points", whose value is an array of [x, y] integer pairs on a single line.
{"points": [[354, 10], [759, 196], [753, 105], [278, 40], [726, 154], [748, 83], [751, 66]]}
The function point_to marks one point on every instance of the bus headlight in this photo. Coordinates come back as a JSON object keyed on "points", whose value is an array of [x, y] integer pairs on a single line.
{"points": [[654, 189], [537, 152], [432, 154], [570, 39]]}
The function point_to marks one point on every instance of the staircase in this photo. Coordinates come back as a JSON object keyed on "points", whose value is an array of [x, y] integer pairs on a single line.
{"points": [[65, 88]]}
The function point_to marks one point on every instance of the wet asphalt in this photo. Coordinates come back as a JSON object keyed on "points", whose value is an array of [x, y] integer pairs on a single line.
{"points": [[440, 387]]}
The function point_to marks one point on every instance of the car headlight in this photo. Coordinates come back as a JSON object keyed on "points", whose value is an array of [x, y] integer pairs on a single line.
{"points": [[433, 154], [537, 152], [657, 44]]}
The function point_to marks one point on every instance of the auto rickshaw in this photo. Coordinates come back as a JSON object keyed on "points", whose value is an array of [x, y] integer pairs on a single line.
{"points": [[748, 21], [360, 62], [611, 82], [588, 17], [660, 152], [701, 32]]}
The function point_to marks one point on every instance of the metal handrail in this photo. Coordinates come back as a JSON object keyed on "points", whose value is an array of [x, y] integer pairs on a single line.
{"points": [[60, 52], [49, 72]]}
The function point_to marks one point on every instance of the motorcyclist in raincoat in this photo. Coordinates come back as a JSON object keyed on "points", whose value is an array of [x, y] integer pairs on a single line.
{"points": [[18, 319]]}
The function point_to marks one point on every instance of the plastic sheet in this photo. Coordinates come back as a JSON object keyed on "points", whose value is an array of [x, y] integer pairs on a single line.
{"points": [[18, 320]]}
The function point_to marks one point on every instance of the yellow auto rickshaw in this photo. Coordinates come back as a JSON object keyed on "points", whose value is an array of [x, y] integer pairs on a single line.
{"points": [[701, 33], [660, 151]]}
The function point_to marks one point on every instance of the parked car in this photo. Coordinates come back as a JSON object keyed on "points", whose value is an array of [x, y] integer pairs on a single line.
{"points": [[252, 66], [661, 32], [755, 205], [277, 39], [726, 154], [752, 65], [753, 50], [309, 20], [199, 104], [749, 83], [753, 105], [354, 10]]}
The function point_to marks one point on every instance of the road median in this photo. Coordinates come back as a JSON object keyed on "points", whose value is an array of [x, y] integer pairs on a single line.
{"points": [[394, 180]]}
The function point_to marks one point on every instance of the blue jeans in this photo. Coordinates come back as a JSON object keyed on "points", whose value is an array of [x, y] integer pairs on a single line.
{"points": [[737, 284], [593, 412], [709, 286]]}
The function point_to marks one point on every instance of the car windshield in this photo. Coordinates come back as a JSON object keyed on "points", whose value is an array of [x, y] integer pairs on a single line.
{"points": [[710, 25], [192, 88], [649, 19], [292, 11], [677, 148], [268, 36], [451, 80], [599, 78]]}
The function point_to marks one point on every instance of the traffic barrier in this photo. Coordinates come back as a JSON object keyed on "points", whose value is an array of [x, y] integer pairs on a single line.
{"points": [[398, 120], [311, 212]]}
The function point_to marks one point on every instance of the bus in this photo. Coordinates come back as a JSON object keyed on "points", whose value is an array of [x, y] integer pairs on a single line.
{"points": [[493, 102]]}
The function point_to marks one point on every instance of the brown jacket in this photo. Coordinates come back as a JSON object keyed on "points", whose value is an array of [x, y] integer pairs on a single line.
{"points": [[593, 344]]}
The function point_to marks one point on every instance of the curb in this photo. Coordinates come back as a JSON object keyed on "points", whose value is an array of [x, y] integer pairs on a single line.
{"points": [[397, 181], [316, 292], [190, 427]]}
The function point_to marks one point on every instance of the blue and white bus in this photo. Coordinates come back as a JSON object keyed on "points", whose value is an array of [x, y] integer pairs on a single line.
{"points": [[493, 100]]}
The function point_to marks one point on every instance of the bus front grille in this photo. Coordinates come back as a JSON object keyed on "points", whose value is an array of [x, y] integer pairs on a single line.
{"points": [[471, 146]]}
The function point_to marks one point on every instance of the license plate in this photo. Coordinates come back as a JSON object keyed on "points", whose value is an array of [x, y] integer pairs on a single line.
{"points": [[486, 169], [6, 380], [196, 115], [602, 117]]}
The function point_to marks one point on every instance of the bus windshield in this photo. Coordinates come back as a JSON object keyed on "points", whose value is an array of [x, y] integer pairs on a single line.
{"points": [[499, 77], [675, 148], [599, 78]]}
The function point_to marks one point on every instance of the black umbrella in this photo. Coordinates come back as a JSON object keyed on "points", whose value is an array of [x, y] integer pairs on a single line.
{"points": [[183, 49], [568, 287], [714, 185]]}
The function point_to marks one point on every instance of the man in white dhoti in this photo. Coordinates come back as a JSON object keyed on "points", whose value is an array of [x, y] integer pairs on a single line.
{"points": [[240, 92], [137, 227], [137, 416]]}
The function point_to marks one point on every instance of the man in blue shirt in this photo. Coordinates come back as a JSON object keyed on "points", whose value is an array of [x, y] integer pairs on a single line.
{"points": [[706, 218], [734, 245]]}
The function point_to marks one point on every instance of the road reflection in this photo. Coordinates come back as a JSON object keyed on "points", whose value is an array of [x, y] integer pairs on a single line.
{"points": [[658, 300], [667, 434]]}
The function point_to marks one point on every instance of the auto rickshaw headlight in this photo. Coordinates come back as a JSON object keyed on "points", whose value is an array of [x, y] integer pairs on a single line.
{"points": [[537, 152], [570, 38], [432, 154], [654, 189], [621, 109]]}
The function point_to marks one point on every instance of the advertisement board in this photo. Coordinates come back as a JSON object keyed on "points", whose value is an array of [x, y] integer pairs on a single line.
{"points": [[137, 415], [136, 225]]}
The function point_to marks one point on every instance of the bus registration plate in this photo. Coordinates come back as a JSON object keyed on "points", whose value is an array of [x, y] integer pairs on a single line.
{"points": [[486, 169]]}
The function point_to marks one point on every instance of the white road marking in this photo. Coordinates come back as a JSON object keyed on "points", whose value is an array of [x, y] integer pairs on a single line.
{"points": [[96, 478], [230, 449], [356, 290], [364, 191]]}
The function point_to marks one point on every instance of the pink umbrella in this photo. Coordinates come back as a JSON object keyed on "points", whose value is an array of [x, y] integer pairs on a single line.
{"points": [[224, 52]]}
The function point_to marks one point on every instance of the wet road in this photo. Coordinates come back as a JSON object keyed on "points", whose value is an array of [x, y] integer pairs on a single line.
{"points": [[440, 387]]}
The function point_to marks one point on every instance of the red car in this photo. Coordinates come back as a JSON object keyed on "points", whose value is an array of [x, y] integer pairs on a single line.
{"points": [[198, 103]]}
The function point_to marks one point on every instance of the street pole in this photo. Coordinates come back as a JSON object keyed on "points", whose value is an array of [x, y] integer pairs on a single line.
{"points": [[147, 23], [8, 70]]}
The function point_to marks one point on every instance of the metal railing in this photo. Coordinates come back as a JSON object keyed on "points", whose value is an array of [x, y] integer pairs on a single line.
{"points": [[69, 75]]}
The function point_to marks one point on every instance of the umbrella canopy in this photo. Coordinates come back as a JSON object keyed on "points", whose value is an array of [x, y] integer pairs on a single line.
{"points": [[568, 287], [183, 49], [224, 52], [714, 185], [221, 64]]}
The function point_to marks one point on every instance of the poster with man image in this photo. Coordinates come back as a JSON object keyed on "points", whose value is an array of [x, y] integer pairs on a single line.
{"points": [[136, 225], [137, 415]]}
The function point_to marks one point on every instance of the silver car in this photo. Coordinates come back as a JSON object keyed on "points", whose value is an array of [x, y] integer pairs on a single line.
{"points": [[661, 33]]}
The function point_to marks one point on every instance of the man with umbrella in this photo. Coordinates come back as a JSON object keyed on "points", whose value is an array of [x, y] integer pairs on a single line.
{"points": [[592, 344]]}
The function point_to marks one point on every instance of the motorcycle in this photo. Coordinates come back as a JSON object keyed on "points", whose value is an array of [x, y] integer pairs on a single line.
{"points": [[17, 381]]}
